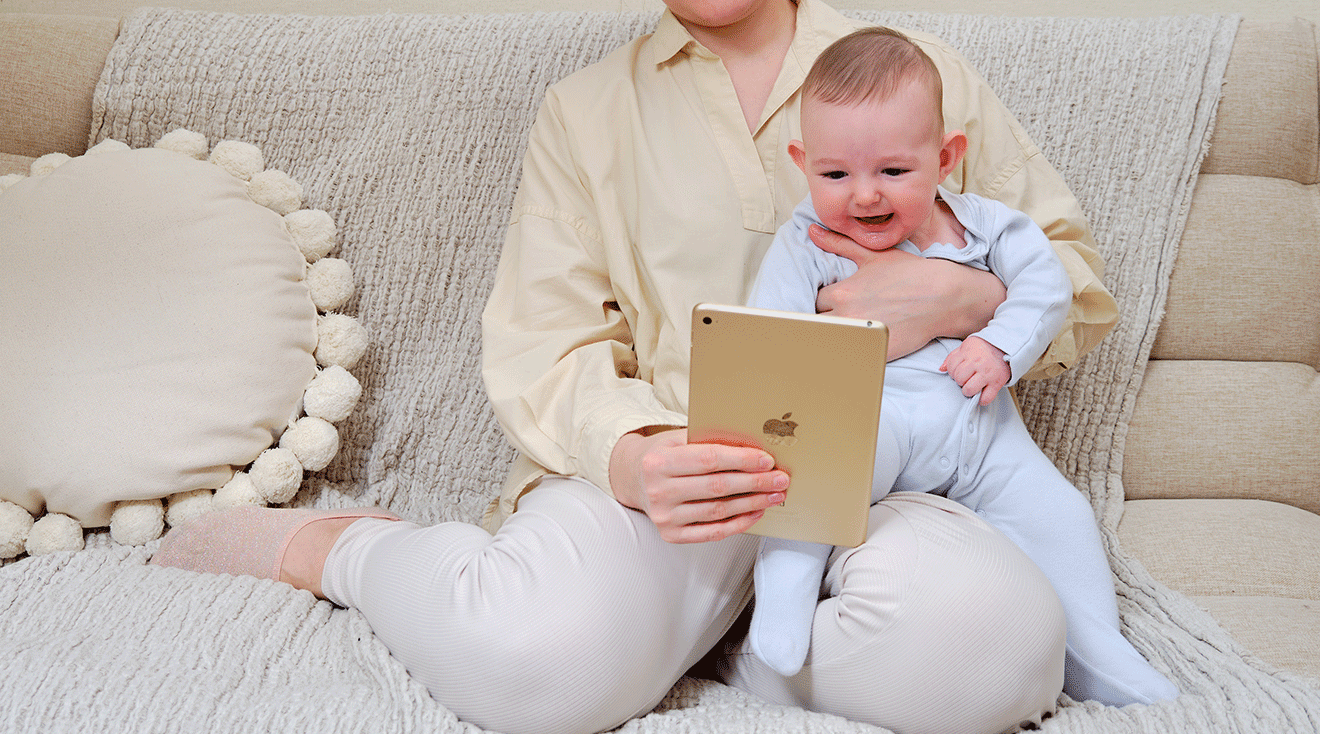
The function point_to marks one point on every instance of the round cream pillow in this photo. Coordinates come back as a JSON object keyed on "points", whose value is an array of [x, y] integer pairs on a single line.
{"points": [[158, 331]]}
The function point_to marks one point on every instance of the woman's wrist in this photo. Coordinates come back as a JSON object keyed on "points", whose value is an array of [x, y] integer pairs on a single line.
{"points": [[968, 299], [624, 479]]}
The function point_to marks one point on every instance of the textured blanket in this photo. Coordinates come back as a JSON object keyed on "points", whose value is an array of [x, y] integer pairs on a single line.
{"points": [[409, 130]]}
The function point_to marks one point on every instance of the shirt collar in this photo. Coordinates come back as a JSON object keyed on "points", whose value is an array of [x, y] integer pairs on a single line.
{"points": [[669, 38]]}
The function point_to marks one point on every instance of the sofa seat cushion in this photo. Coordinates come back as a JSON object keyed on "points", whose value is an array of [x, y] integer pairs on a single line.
{"points": [[1253, 564], [1276, 629]]}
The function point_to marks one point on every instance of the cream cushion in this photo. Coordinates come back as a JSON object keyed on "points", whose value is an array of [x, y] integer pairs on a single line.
{"points": [[157, 333]]}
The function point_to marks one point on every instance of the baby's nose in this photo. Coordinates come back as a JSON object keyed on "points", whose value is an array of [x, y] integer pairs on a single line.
{"points": [[867, 193]]}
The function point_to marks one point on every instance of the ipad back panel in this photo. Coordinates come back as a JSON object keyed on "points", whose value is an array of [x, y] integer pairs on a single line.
{"points": [[807, 389]]}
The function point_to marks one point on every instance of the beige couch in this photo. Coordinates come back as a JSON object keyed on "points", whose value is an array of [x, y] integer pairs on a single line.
{"points": [[1222, 460]]}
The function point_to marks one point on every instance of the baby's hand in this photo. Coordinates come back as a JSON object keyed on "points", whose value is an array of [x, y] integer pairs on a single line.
{"points": [[978, 366]]}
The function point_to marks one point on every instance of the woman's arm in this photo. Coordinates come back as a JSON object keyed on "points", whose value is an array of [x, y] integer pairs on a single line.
{"points": [[918, 298]]}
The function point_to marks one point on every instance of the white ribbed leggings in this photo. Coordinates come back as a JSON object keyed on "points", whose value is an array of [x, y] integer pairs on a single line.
{"points": [[576, 616]]}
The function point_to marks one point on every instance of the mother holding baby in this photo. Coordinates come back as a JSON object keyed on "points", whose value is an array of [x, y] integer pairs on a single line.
{"points": [[614, 560]]}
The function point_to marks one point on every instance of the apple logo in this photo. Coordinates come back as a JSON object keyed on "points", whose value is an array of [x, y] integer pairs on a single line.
{"points": [[779, 431]]}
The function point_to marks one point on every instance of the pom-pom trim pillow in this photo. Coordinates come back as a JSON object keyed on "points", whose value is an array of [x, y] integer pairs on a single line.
{"points": [[160, 332]]}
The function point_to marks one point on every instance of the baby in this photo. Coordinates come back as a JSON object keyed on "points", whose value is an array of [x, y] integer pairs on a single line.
{"points": [[875, 152]]}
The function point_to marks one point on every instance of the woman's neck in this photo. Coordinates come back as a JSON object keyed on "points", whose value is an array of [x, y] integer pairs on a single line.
{"points": [[766, 29], [752, 49]]}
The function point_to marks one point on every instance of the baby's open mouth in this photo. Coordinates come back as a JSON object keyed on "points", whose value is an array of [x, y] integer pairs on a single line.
{"points": [[880, 219]]}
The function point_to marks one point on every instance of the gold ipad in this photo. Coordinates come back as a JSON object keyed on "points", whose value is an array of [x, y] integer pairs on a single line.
{"points": [[806, 388]]}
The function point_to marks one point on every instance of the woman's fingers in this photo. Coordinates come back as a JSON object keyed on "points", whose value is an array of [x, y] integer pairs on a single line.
{"points": [[703, 492]]}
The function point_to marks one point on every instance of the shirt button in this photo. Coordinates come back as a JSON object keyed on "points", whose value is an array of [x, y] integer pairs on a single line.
{"points": [[944, 462]]}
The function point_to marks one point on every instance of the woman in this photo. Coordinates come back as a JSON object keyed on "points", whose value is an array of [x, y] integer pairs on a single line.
{"points": [[613, 561]]}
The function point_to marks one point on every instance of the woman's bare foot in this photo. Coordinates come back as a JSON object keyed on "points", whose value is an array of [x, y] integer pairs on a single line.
{"points": [[304, 559]]}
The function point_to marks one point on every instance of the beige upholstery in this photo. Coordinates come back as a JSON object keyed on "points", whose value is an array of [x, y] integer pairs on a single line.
{"points": [[1267, 121], [56, 60], [1222, 463]]}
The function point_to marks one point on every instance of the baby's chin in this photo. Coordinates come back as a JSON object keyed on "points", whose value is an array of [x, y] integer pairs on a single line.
{"points": [[873, 241]]}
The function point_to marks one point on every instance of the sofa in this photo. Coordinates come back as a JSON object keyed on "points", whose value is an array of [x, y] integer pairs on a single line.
{"points": [[1202, 457]]}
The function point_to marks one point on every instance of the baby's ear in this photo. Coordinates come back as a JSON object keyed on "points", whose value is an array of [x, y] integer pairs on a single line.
{"points": [[952, 150], [799, 154]]}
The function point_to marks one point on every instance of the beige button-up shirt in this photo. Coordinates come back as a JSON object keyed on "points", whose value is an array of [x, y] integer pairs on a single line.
{"points": [[643, 193]]}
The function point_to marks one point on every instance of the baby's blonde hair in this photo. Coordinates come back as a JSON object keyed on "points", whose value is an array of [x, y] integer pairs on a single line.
{"points": [[871, 64]]}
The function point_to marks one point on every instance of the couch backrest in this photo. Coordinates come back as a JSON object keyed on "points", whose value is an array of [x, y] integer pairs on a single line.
{"points": [[49, 65], [1231, 400]]}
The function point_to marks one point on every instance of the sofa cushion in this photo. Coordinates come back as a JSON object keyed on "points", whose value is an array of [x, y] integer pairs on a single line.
{"points": [[1276, 629], [49, 75], [157, 331], [1245, 266], [1222, 429], [15, 164], [1253, 564], [1267, 124], [1225, 547]]}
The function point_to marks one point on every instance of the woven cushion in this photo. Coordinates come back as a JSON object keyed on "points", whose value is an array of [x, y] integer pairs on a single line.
{"points": [[157, 333]]}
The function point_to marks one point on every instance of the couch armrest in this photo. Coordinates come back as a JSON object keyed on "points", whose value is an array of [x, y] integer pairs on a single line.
{"points": [[50, 65]]}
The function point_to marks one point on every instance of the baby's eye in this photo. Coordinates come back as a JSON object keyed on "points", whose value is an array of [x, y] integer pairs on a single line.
{"points": [[894, 171], [833, 175]]}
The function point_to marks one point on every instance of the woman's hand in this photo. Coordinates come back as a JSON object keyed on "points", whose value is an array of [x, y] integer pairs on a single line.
{"points": [[919, 299], [694, 492]]}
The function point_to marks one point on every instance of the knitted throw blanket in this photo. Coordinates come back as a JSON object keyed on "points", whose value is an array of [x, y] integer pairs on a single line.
{"points": [[409, 130]]}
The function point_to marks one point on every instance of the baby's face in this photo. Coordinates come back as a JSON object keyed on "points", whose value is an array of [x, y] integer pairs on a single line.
{"points": [[872, 167]]}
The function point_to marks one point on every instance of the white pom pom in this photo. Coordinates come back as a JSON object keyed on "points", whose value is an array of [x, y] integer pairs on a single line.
{"points": [[340, 340], [332, 394], [275, 190], [313, 441], [330, 283], [47, 163], [237, 492], [109, 145], [135, 522], [187, 142], [242, 160], [313, 231], [15, 525], [276, 474], [54, 533], [10, 179], [184, 506]]}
